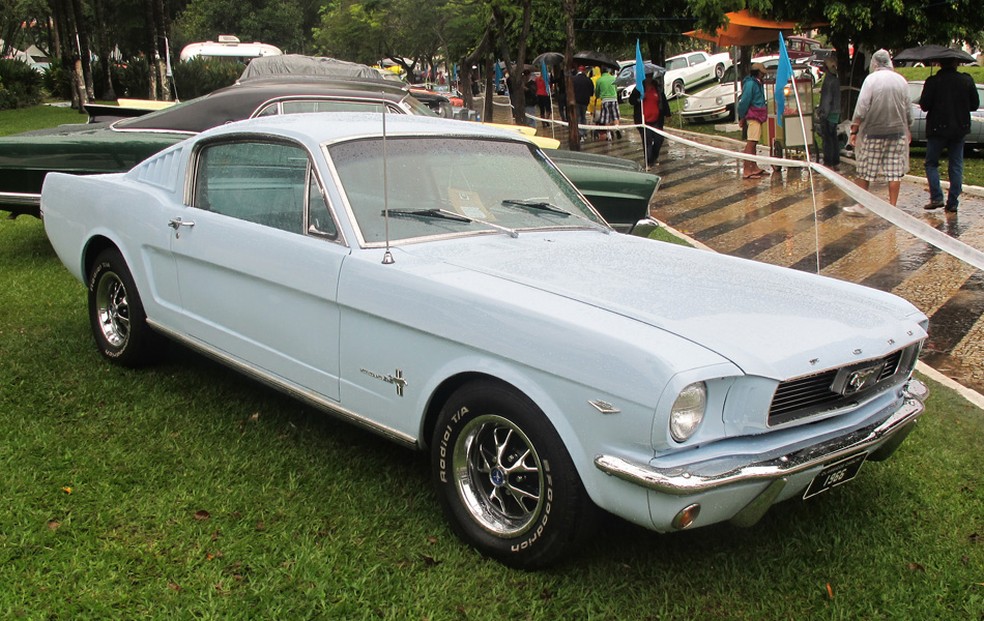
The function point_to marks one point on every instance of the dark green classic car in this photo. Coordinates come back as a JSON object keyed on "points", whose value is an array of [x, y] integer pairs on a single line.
{"points": [[618, 188]]}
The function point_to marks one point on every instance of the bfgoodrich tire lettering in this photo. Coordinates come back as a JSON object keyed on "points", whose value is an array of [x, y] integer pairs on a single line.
{"points": [[504, 479], [116, 314]]}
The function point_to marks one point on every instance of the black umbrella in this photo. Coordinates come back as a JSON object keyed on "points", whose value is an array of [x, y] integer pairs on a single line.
{"points": [[550, 58], [627, 75], [595, 58], [929, 53]]}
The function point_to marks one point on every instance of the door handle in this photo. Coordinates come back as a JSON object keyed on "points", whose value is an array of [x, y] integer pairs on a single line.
{"points": [[177, 223]]}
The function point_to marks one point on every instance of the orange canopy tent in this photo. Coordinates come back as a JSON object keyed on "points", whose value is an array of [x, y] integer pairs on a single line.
{"points": [[743, 28]]}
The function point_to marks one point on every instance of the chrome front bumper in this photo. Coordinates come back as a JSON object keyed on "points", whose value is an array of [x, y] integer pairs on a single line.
{"points": [[880, 438]]}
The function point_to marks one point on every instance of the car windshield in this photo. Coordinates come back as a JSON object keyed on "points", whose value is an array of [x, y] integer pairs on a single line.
{"points": [[451, 186]]}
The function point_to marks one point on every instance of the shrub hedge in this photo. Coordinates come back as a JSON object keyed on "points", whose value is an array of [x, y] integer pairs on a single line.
{"points": [[20, 85], [130, 79]]}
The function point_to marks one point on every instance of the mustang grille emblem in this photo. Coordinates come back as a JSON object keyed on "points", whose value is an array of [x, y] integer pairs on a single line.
{"points": [[851, 381]]}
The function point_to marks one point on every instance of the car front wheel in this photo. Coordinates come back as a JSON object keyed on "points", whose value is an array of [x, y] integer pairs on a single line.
{"points": [[678, 88], [116, 313], [504, 479]]}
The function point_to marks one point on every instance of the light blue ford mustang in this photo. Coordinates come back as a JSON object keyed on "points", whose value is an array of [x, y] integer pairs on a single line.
{"points": [[447, 287]]}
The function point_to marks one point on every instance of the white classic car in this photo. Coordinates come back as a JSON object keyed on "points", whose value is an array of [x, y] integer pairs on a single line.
{"points": [[444, 285], [718, 101], [685, 71]]}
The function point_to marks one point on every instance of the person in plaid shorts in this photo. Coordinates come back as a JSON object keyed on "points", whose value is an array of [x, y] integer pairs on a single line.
{"points": [[880, 128]]}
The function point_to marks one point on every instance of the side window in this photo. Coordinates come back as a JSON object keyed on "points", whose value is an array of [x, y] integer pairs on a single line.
{"points": [[695, 59], [261, 182], [330, 105], [296, 106]]}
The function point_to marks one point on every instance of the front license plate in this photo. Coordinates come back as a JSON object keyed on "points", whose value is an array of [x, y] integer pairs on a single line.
{"points": [[835, 474]]}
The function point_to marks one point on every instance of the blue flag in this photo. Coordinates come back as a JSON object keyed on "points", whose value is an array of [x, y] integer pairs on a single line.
{"points": [[784, 73], [545, 75], [640, 70]]}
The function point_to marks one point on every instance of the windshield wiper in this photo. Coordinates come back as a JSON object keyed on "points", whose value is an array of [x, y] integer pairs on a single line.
{"points": [[444, 214], [544, 205], [429, 213], [535, 203]]}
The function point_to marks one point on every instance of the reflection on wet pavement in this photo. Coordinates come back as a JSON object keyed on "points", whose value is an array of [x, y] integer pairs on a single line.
{"points": [[777, 220]]}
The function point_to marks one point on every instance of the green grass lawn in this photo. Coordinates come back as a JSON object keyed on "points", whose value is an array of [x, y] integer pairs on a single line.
{"points": [[37, 117], [186, 491]]}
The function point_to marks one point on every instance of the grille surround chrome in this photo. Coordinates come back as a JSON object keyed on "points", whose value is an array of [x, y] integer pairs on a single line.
{"points": [[810, 395]]}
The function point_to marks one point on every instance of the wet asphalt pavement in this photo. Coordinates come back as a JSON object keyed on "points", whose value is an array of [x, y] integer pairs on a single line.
{"points": [[703, 196]]}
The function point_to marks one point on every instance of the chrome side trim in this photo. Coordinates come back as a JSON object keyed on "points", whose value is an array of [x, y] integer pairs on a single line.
{"points": [[20, 198], [289, 389], [680, 482]]}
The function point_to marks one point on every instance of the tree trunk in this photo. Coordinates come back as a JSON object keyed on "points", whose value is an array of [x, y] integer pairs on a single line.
{"points": [[104, 49], [465, 73], [85, 60], [487, 110], [573, 132]]}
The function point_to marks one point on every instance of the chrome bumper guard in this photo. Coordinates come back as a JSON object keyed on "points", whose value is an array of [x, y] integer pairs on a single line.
{"points": [[888, 433]]}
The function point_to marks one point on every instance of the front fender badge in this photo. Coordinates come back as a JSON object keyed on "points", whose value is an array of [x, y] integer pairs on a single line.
{"points": [[604, 407]]}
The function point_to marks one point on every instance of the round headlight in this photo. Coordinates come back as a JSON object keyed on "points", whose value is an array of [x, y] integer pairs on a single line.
{"points": [[686, 103], [688, 411], [719, 100]]}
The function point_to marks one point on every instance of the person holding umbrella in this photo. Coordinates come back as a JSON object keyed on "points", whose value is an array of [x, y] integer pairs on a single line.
{"points": [[948, 98]]}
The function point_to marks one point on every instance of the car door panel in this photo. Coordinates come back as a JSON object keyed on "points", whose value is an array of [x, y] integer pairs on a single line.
{"points": [[260, 289]]}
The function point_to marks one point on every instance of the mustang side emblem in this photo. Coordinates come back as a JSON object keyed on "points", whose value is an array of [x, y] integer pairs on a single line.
{"points": [[396, 379]]}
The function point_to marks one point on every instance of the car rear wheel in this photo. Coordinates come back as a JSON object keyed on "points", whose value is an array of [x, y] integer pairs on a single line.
{"points": [[504, 478], [719, 71], [116, 313]]}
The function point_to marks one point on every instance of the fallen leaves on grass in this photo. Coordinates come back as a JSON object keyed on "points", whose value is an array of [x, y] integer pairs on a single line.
{"points": [[54, 524], [201, 515], [430, 561], [830, 591], [67, 490], [916, 567]]}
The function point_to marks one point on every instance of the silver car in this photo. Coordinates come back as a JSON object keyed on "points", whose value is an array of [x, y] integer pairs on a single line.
{"points": [[976, 136]]}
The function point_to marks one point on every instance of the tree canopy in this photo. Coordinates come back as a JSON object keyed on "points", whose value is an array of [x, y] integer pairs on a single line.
{"points": [[425, 33]]}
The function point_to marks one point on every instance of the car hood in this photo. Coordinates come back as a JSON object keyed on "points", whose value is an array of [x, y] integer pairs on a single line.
{"points": [[769, 321]]}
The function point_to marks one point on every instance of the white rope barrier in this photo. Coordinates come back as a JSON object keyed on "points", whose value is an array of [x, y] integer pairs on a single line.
{"points": [[880, 207]]}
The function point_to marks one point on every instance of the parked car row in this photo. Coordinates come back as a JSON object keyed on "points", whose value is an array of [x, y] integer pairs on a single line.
{"points": [[617, 187]]}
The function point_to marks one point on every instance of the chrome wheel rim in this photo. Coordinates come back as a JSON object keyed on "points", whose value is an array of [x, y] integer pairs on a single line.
{"points": [[499, 476], [112, 309]]}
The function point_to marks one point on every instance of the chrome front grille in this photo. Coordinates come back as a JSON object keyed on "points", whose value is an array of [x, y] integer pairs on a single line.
{"points": [[806, 396]]}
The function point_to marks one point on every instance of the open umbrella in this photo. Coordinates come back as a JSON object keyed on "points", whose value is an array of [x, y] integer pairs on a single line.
{"points": [[627, 75], [929, 53], [595, 58], [549, 59]]}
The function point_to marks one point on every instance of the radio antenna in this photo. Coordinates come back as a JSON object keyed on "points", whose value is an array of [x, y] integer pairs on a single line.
{"points": [[387, 256]]}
